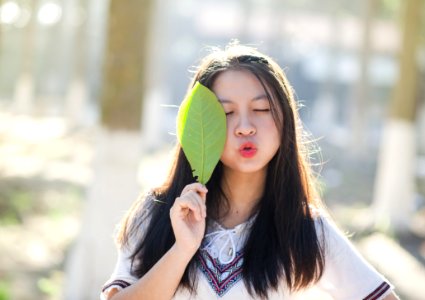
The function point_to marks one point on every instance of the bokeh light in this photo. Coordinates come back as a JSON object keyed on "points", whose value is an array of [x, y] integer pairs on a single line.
{"points": [[9, 12], [49, 13]]}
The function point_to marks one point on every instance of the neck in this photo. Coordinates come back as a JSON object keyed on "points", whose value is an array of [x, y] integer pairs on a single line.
{"points": [[243, 191]]}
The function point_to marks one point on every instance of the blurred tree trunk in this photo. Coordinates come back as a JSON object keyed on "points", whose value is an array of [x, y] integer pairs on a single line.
{"points": [[158, 91], [122, 90], [395, 180], [25, 84], [117, 151], [77, 91], [362, 94], [326, 106]]}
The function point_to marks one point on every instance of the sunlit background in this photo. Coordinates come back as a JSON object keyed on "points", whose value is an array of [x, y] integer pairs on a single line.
{"points": [[89, 93]]}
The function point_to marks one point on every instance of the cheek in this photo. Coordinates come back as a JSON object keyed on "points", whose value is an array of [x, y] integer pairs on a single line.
{"points": [[228, 136], [229, 128], [274, 132], [270, 126]]}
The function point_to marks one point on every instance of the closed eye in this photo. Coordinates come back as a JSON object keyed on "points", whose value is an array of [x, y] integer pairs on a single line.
{"points": [[229, 113], [262, 110]]}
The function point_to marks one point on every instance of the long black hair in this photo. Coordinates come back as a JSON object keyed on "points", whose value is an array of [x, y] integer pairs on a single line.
{"points": [[292, 252]]}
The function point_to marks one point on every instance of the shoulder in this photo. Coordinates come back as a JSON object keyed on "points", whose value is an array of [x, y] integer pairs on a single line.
{"points": [[347, 275], [136, 220], [324, 223], [334, 241], [341, 254]]}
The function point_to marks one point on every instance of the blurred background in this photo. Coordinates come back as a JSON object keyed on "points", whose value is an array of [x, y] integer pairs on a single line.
{"points": [[89, 92]]}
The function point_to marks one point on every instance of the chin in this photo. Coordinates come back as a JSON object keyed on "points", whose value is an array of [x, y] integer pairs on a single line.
{"points": [[247, 169]]}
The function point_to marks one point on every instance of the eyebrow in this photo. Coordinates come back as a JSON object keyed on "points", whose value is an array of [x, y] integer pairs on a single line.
{"points": [[259, 97]]}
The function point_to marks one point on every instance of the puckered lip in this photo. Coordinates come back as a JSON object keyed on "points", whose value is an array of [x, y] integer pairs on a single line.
{"points": [[248, 146], [247, 150]]}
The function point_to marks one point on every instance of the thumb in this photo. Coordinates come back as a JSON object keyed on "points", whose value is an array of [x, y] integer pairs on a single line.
{"points": [[203, 192]]}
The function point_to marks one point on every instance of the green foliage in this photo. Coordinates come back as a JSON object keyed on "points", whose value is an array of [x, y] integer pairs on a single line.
{"points": [[14, 204], [4, 290], [48, 286], [201, 131], [390, 9]]}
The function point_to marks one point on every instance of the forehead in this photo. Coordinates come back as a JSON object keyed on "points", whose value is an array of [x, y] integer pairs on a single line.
{"points": [[233, 84], [242, 86]]}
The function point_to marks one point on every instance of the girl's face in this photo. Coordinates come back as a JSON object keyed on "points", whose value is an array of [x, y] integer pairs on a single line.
{"points": [[252, 136]]}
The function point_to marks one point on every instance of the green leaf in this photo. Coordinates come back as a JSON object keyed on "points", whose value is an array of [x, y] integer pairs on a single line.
{"points": [[201, 131]]}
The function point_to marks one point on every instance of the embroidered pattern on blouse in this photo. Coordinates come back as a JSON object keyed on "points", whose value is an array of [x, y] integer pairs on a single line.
{"points": [[221, 277]]}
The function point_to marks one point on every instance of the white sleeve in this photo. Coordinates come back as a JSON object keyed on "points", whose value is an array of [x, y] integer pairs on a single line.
{"points": [[121, 277], [347, 275]]}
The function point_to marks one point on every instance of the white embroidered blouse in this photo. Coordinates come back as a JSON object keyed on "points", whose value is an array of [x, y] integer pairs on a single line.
{"points": [[347, 276]]}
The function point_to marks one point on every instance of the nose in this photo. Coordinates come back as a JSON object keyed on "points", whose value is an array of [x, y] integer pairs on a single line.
{"points": [[245, 127]]}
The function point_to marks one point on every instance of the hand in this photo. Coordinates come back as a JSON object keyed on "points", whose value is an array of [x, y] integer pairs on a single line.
{"points": [[188, 217]]}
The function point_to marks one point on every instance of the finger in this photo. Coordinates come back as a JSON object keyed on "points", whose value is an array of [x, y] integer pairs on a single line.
{"points": [[197, 187], [203, 195], [188, 202], [200, 198], [200, 201], [197, 190], [197, 200]]}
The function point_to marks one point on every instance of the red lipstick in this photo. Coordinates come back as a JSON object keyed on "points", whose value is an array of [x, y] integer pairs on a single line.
{"points": [[247, 150]]}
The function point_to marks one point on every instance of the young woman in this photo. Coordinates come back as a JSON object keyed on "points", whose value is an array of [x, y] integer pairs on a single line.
{"points": [[257, 229]]}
